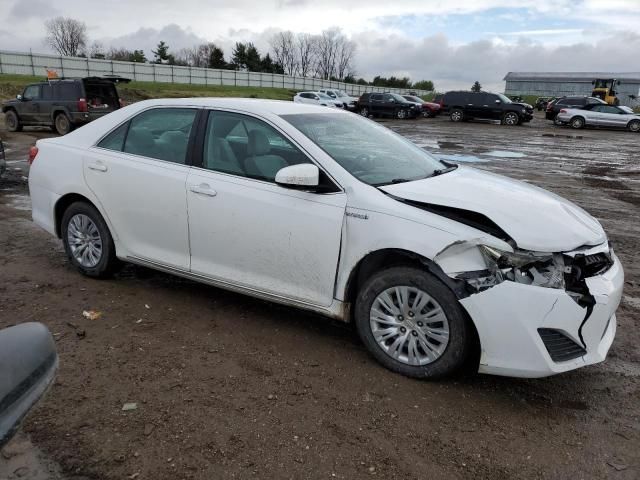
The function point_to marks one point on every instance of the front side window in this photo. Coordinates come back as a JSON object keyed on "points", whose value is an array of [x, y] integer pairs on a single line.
{"points": [[161, 133], [245, 146], [32, 92], [370, 152]]}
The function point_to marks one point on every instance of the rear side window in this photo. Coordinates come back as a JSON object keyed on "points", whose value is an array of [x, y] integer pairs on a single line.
{"points": [[458, 98], [115, 140], [161, 133], [46, 92], [66, 91]]}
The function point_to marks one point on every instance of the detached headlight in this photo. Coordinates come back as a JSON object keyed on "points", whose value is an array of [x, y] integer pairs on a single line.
{"points": [[531, 268], [517, 259]]}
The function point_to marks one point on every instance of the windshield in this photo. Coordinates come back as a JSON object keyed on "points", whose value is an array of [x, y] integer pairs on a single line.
{"points": [[370, 152], [411, 98], [340, 93], [324, 96], [503, 98], [400, 98]]}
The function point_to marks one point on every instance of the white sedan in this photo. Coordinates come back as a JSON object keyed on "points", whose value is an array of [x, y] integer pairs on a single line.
{"points": [[331, 212], [600, 115], [317, 98]]}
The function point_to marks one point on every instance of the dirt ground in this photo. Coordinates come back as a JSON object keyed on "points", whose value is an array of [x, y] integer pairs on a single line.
{"points": [[231, 387]]}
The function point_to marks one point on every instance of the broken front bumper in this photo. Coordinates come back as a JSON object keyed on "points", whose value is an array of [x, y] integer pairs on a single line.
{"points": [[512, 320]]}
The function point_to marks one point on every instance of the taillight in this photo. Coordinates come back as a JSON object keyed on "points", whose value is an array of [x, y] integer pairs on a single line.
{"points": [[33, 151], [549, 106], [82, 105], [122, 102], [563, 110]]}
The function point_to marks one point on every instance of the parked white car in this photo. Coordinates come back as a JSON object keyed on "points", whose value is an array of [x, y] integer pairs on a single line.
{"points": [[348, 101], [600, 115], [331, 212], [317, 98]]}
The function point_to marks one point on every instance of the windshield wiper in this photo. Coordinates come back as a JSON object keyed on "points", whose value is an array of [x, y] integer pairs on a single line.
{"points": [[440, 171]]}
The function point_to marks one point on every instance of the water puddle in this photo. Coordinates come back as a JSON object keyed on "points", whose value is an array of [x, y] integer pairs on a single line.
{"points": [[504, 154], [19, 202], [458, 157]]}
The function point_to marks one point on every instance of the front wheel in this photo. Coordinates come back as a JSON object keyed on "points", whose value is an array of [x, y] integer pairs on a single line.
{"points": [[510, 118], [557, 122], [87, 241], [412, 323], [634, 126], [12, 121]]}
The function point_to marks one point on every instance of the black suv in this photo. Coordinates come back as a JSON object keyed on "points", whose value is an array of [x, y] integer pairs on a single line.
{"points": [[484, 105], [554, 107], [61, 104], [386, 105]]}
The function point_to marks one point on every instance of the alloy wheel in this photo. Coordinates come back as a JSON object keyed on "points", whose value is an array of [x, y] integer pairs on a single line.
{"points": [[511, 119], [634, 126], [364, 112], [409, 325], [84, 240], [456, 115], [577, 122]]}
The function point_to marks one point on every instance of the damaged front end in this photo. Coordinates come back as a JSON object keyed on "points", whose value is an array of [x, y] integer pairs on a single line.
{"points": [[550, 270], [536, 313]]}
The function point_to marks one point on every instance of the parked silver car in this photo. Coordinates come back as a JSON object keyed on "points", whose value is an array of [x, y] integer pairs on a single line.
{"points": [[600, 115]]}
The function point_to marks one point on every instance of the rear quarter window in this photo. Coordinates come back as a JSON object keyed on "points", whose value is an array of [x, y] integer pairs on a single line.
{"points": [[66, 91]]}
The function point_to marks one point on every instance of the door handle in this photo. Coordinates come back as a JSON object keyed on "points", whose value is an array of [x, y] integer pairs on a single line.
{"points": [[203, 189], [98, 167]]}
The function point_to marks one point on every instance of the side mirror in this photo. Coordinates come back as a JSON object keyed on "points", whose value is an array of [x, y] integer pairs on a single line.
{"points": [[19, 97], [28, 363], [304, 176]]}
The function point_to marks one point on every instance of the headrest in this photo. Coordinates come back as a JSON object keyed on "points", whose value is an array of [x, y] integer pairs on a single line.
{"points": [[258, 143]]}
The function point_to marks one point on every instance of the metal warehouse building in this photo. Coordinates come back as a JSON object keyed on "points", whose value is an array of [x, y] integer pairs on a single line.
{"points": [[556, 84]]}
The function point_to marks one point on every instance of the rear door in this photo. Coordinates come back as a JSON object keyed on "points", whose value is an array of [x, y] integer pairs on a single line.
{"points": [[138, 173], [249, 232], [376, 104]]}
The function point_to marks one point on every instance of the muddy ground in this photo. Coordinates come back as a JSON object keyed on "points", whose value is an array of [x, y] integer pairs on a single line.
{"points": [[231, 387]]}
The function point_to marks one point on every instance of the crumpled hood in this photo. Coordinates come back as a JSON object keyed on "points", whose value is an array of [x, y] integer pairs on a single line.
{"points": [[534, 218]]}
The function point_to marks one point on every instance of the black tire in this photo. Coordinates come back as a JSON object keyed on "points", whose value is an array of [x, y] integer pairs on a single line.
{"points": [[634, 126], [577, 123], [62, 123], [510, 119], [460, 332], [364, 111], [108, 261], [12, 121], [557, 122], [456, 115]]}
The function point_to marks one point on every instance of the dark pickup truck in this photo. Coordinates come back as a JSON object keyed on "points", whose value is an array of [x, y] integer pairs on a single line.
{"points": [[463, 106], [61, 104]]}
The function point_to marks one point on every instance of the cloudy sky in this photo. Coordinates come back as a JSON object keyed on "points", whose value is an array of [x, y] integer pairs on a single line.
{"points": [[452, 42]]}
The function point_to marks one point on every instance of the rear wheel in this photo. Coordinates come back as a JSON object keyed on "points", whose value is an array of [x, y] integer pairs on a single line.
{"points": [[634, 126], [87, 241], [412, 323], [510, 118], [63, 124], [12, 121], [401, 114], [577, 122], [364, 111], [456, 115]]}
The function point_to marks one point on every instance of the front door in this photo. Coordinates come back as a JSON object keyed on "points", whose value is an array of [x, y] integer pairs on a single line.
{"points": [[247, 231], [30, 108], [138, 174]]}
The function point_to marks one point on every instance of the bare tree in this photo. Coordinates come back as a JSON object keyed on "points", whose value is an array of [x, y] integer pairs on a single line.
{"points": [[66, 36], [346, 50], [96, 50], [327, 51], [283, 47], [306, 47]]}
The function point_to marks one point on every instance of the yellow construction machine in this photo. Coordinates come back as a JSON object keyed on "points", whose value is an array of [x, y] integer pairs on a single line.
{"points": [[605, 89]]}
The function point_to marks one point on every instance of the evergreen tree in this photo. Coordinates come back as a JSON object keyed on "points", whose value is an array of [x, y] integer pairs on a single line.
{"points": [[476, 87], [216, 58], [239, 56], [161, 53]]}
